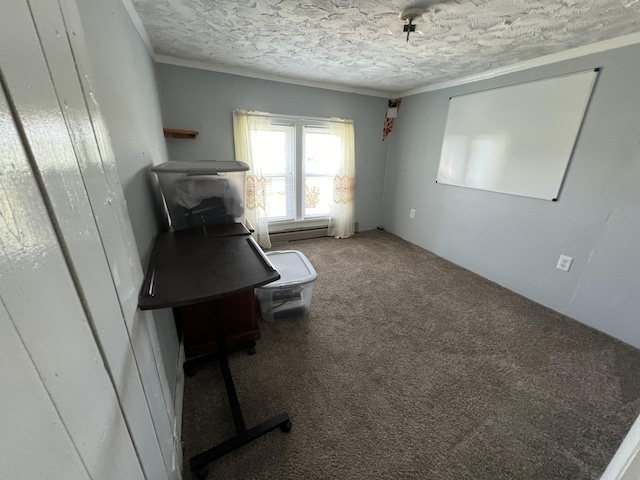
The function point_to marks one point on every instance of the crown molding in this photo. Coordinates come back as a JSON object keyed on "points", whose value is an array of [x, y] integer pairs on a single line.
{"points": [[243, 72], [135, 19], [624, 41]]}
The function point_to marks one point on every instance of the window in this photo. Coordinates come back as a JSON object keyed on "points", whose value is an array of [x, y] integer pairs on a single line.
{"points": [[321, 154], [274, 156], [302, 172], [298, 159]]}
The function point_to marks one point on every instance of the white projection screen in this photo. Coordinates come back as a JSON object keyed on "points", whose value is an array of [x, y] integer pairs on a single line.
{"points": [[516, 139]]}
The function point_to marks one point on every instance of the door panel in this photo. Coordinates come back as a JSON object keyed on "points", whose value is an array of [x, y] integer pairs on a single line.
{"points": [[124, 419], [30, 417], [40, 297], [106, 263]]}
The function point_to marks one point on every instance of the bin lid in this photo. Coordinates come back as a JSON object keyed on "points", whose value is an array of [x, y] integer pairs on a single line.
{"points": [[200, 167], [293, 266]]}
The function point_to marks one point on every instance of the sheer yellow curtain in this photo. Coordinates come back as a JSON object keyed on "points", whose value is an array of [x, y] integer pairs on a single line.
{"points": [[244, 123], [342, 218]]}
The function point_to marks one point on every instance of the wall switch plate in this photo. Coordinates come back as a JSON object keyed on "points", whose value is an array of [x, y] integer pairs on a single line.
{"points": [[412, 213], [564, 263]]}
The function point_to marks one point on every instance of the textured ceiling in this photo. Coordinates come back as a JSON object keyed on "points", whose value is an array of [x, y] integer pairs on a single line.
{"points": [[339, 42]]}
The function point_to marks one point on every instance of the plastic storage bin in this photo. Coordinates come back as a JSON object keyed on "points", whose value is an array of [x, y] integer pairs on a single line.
{"points": [[203, 193], [291, 295]]}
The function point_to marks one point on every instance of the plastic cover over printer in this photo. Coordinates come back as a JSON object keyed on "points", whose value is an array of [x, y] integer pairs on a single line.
{"points": [[203, 192]]}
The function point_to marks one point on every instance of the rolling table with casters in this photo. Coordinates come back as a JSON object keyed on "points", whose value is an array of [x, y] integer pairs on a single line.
{"points": [[206, 265]]}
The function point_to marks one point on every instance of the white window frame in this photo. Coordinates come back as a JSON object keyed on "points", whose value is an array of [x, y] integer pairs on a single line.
{"points": [[299, 222], [283, 126]]}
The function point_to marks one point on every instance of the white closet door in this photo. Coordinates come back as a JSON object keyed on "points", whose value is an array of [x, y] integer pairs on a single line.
{"points": [[59, 409], [28, 417], [119, 421], [98, 168]]}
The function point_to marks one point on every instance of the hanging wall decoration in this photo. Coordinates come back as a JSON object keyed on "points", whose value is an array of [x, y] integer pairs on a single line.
{"points": [[391, 114]]}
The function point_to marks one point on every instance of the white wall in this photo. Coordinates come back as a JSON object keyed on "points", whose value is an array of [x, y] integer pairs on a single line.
{"points": [[516, 241], [203, 100], [124, 84]]}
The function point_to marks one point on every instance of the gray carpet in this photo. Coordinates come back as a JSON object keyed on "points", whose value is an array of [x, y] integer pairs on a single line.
{"points": [[410, 367]]}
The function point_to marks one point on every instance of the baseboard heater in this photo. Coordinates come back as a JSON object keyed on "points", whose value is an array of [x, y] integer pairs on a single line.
{"points": [[302, 234], [298, 235]]}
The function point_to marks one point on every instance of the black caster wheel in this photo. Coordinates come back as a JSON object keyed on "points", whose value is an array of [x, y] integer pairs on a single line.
{"points": [[252, 350], [202, 473], [286, 426]]}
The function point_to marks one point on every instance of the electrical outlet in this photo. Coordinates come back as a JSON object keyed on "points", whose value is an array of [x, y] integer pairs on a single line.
{"points": [[564, 263], [412, 213]]}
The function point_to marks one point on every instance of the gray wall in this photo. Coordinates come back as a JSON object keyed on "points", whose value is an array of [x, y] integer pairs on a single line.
{"points": [[125, 88], [203, 100], [516, 241]]}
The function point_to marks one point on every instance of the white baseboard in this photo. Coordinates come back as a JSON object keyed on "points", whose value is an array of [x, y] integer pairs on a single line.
{"points": [[625, 464], [178, 405]]}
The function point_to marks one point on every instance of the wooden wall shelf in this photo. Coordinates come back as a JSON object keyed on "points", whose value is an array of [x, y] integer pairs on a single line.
{"points": [[177, 133]]}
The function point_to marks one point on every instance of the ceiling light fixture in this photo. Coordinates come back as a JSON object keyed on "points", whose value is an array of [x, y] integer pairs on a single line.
{"points": [[409, 16]]}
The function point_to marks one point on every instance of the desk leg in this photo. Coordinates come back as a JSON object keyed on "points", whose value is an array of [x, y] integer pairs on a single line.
{"points": [[199, 463]]}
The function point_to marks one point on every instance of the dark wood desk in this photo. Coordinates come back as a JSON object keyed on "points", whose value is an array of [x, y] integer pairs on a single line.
{"points": [[206, 265], [240, 314]]}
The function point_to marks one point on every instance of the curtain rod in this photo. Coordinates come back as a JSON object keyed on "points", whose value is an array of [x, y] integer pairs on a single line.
{"points": [[292, 117]]}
